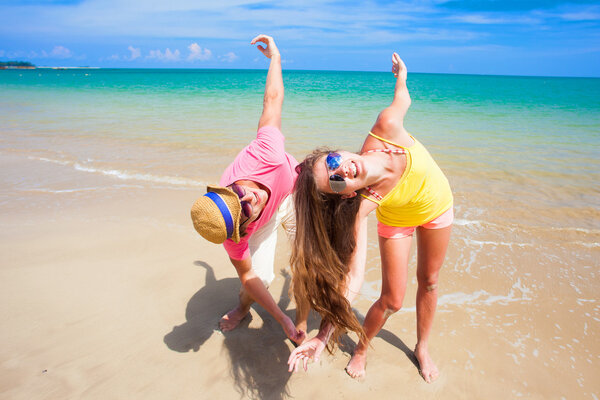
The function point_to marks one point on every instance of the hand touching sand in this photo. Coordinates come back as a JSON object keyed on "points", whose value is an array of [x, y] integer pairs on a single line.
{"points": [[311, 350]]}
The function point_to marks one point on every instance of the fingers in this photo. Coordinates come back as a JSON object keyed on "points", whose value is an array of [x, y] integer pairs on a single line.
{"points": [[398, 66], [262, 49], [262, 38], [293, 359], [293, 363], [296, 358]]}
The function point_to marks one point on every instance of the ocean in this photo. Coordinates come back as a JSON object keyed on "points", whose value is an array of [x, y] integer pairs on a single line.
{"points": [[522, 155]]}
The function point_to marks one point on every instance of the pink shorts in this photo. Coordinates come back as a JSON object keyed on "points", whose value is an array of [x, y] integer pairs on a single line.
{"points": [[399, 232]]}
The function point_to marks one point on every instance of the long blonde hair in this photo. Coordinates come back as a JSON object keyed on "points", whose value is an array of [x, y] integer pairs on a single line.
{"points": [[323, 246]]}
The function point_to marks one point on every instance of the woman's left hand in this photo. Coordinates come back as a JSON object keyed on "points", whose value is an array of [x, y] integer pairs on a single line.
{"points": [[309, 350]]}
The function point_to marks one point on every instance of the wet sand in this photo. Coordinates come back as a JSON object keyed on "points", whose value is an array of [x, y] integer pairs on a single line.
{"points": [[110, 293]]}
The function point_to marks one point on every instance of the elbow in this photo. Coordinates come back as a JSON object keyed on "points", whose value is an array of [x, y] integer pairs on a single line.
{"points": [[404, 98], [273, 96], [388, 121]]}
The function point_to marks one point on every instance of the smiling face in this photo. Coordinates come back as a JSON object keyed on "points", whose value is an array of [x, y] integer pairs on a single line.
{"points": [[255, 198], [351, 169]]}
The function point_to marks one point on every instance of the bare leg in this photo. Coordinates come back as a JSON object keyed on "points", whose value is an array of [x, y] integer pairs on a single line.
{"points": [[394, 269], [432, 245], [232, 319]]}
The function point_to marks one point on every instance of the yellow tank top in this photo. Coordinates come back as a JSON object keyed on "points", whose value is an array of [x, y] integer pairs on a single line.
{"points": [[422, 193]]}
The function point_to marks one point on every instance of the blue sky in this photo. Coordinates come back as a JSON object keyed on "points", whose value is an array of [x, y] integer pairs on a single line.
{"points": [[528, 37]]}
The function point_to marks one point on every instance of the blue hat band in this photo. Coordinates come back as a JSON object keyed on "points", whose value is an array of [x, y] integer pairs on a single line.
{"points": [[224, 212]]}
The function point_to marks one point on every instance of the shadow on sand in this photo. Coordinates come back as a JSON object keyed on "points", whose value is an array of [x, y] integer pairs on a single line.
{"points": [[258, 356]]}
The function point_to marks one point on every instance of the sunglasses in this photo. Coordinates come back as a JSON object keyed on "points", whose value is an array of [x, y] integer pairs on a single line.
{"points": [[246, 206], [333, 162]]}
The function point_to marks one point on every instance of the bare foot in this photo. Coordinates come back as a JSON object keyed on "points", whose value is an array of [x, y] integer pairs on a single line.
{"points": [[357, 364], [232, 319], [428, 370]]}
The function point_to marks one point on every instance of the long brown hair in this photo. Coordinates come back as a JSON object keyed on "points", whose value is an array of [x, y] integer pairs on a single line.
{"points": [[323, 246]]}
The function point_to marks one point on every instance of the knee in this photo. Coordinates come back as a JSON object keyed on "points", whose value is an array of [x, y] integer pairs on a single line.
{"points": [[391, 305], [428, 282]]}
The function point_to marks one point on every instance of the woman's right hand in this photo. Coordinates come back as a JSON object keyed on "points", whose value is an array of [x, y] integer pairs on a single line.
{"points": [[271, 49], [398, 67]]}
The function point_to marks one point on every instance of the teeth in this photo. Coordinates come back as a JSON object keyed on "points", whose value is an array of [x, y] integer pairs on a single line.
{"points": [[353, 169]]}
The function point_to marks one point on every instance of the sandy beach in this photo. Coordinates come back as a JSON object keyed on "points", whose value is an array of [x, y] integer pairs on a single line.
{"points": [[116, 296], [107, 291]]}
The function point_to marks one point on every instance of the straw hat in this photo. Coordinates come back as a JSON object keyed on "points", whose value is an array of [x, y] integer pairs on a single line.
{"points": [[216, 215]]}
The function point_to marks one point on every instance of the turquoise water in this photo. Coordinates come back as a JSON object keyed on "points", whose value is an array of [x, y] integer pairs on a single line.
{"points": [[522, 137], [522, 155], [523, 127]]}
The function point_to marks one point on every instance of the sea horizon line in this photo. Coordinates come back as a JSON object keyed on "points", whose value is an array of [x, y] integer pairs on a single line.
{"points": [[290, 70]]}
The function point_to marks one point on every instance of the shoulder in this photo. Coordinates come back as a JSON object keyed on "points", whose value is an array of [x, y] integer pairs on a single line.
{"points": [[269, 145], [269, 132]]}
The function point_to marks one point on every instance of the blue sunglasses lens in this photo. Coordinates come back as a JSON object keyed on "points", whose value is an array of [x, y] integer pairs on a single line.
{"points": [[333, 161]]}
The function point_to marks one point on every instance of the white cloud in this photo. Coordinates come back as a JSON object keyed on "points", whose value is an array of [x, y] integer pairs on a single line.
{"points": [[478, 19], [581, 16], [198, 53], [229, 57], [60, 52], [135, 53], [168, 55]]}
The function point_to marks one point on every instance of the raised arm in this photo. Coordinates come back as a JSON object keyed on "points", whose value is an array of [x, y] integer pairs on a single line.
{"points": [[401, 95], [390, 121], [273, 99]]}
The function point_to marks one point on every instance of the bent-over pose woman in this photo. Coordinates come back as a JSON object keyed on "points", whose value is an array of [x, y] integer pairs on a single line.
{"points": [[396, 176]]}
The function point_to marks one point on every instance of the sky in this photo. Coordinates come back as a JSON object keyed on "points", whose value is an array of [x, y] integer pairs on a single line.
{"points": [[497, 37]]}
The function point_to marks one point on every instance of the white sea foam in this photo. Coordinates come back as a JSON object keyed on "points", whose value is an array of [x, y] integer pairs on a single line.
{"points": [[493, 243], [60, 162], [124, 175], [86, 189], [581, 301], [583, 230], [65, 190], [518, 292], [173, 180], [464, 222], [587, 244]]}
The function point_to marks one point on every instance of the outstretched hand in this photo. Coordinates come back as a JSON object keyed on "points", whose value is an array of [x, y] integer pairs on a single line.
{"points": [[398, 67], [310, 350], [271, 48]]}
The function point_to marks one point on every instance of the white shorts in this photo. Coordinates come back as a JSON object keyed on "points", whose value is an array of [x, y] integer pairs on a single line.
{"points": [[263, 242]]}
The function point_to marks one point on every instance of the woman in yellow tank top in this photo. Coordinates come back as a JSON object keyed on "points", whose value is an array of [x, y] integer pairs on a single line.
{"points": [[400, 180]]}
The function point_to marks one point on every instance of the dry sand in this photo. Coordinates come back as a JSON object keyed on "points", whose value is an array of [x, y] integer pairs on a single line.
{"points": [[114, 296]]}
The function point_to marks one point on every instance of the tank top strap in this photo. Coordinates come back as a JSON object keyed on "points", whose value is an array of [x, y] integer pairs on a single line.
{"points": [[387, 141], [371, 199]]}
